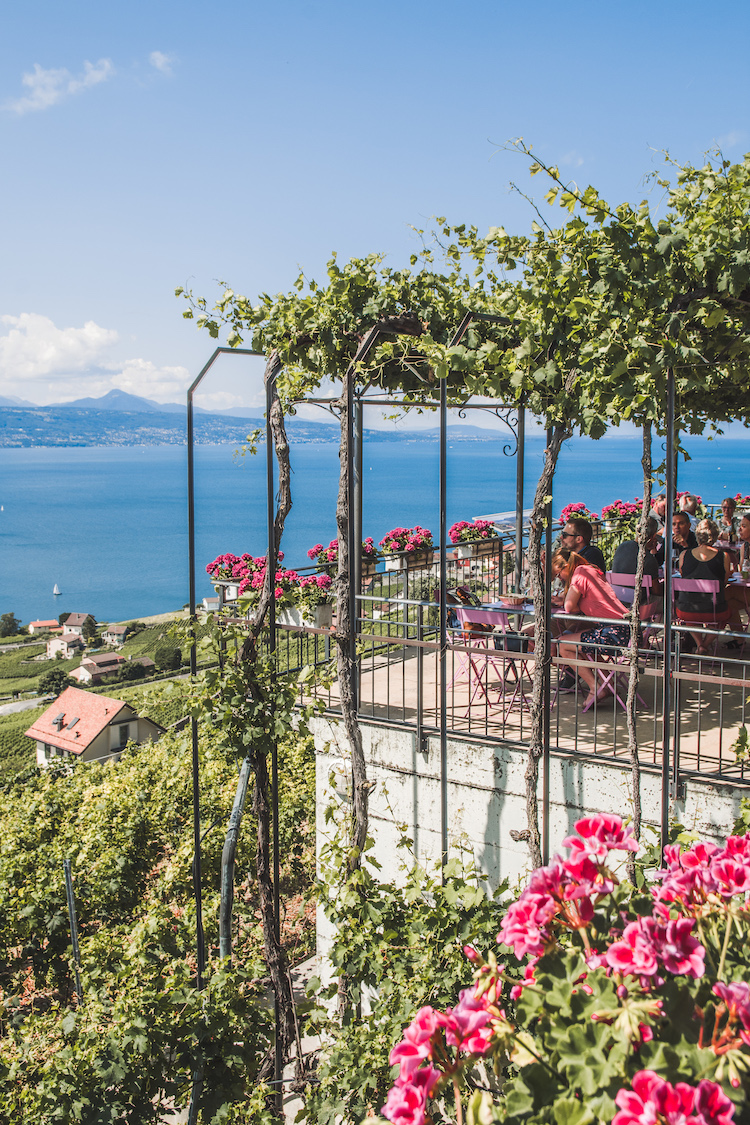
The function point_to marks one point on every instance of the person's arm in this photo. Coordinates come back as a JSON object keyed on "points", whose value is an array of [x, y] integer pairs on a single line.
{"points": [[681, 561], [572, 598], [727, 565]]}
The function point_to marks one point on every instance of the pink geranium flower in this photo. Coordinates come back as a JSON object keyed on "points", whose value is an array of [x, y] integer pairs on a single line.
{"points": [[407, 1099], [602, 834], [634, 955], [654, 1099], [416, 1044], [524, 927]]}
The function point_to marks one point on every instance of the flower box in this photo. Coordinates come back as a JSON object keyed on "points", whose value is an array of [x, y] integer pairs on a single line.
{"points": [[319, 617], [227, 591], [479, 548], [395, 562]]}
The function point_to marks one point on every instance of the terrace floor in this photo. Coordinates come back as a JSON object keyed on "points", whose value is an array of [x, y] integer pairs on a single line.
{"points": [[710, 704]]}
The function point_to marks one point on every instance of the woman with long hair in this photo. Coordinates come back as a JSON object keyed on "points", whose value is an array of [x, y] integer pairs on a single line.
{"points": [[587, 592]]}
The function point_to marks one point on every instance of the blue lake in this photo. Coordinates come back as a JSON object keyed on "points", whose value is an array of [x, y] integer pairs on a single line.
{"points": [[109, 525]]}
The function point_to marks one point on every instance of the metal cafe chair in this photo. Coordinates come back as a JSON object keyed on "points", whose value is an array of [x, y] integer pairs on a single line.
{"points": [[701, 586], [491, 651]]}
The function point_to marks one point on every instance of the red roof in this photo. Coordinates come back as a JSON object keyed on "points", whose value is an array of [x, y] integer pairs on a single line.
{"points": [[44, 624], [93, 712]]}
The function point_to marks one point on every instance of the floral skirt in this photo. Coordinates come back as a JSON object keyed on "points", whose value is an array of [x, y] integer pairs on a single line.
{"points": [[612, 637]]}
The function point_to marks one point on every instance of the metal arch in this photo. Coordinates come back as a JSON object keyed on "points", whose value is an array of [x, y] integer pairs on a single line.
{"points": [[200, 939], [508, 415]]}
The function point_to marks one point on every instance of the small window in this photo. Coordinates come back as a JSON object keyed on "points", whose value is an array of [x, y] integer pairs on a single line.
{"points": [[124, 735]]}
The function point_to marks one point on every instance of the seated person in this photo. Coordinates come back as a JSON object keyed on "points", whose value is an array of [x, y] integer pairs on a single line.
{"points": [[743, 532], [683, 539], [576, 536], [659, 508], [703, 562], [727, 522], [626, 559], [587, 592], [737, 595], [689, 505]]}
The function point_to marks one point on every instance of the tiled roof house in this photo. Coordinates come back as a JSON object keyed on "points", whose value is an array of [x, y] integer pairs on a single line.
{"points": [[86, 727], [75, 622], [96, 665]]}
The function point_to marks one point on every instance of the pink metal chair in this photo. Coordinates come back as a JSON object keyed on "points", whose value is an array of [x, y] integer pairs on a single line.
{"points": [[701, 586], [487, 655]]}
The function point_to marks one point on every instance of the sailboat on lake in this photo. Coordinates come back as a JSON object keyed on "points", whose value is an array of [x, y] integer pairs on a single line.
{"points": [[56, 590]]}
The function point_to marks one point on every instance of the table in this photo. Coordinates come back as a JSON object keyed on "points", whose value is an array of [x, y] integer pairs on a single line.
{"points": [[477, 662]]}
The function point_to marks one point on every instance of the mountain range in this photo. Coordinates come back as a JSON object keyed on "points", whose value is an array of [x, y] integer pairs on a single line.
{"points": [[119, 418]]}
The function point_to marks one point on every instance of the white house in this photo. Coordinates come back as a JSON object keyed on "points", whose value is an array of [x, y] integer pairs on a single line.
{"points": [[115, 634], [67, 644], [82, 726]]}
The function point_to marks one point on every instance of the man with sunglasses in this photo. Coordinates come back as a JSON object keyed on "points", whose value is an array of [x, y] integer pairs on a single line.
{"points": [[576, 535]]}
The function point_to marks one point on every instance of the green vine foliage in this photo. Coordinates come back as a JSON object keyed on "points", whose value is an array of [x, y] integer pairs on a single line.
{"points": [[130, 1049], [399, 944]]}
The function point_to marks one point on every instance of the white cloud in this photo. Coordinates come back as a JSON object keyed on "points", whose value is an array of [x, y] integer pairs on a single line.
{"points": [[161, 62], [732, 139], [572, 159], [34, 347], [43, 363], [48, 87], [142, 377]]}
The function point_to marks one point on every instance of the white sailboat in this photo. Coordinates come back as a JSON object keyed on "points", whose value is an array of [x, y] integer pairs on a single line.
{"points": [[56, 590]]}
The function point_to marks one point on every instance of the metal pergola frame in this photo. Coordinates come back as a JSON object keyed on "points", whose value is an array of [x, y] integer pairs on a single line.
{"points": [[670, 778]]}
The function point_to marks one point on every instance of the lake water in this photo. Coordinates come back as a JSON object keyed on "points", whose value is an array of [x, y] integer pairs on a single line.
{"points": [[109, 525]]}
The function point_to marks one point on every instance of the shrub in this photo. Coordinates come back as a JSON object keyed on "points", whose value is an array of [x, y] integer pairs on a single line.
{"points": [[608, 997]]}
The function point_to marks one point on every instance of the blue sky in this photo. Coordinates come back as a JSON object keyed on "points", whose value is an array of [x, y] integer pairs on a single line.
{"points": [[157, 144]]}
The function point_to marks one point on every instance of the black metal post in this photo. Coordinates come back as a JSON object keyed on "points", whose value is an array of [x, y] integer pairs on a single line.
{"points": [[520, 452], [667, 683], [350, 503], [199, 936], [271, 564], [356, 560], [443, 623], [547, 669], [73, 928]]}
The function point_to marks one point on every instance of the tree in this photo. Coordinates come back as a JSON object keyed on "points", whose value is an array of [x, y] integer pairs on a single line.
{"points": [[63, 618], [54, 682], [10, 626], [167, 657], [89, 630], [132, 671]]}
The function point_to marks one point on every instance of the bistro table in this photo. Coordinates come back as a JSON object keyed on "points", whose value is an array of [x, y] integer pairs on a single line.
{"points": [[480, 657]]}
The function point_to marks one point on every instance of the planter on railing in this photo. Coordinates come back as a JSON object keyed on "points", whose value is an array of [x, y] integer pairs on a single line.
{"points": [[478, 548], [227, 590], [317, 617], [411, 561]]}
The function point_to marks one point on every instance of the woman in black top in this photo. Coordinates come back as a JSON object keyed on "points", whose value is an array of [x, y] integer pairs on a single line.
{"points": [[704, 562]]}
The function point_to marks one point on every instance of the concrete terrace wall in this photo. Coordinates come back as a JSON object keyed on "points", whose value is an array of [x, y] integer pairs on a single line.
{"points": [[486, 796]]}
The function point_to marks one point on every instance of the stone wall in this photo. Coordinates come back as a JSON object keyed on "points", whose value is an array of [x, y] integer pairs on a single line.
{"points": [[486, 796]]}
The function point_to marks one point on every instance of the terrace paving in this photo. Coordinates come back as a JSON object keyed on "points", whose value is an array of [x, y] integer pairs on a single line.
{"points": [[710, 699]]}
